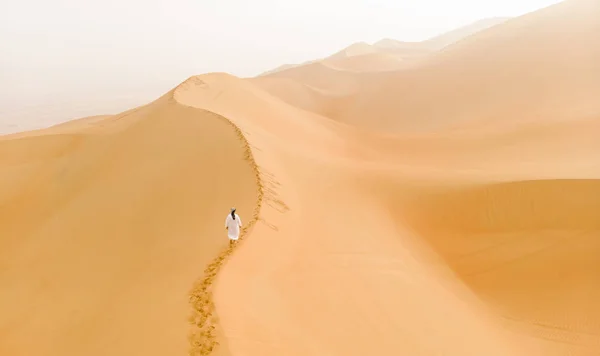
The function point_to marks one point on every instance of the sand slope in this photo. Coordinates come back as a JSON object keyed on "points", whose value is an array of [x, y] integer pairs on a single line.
{"points": [[305, 167], [460, 217], [410, 271], [331, 85], [544, 65], [448, 38], [104, 230], [401, 50]]}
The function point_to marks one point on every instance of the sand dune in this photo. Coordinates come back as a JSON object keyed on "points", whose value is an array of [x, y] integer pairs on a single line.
{"points": [[355, 49], [452, 208], [400, 50], [327, 86], [289, 153], [438, 42], [104, 233], [448, 38], [324, 87], [543, 231], [378, 62], [545, 65]]}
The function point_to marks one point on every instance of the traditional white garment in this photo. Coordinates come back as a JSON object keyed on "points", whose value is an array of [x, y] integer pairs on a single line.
{"points": [[233, 226]]}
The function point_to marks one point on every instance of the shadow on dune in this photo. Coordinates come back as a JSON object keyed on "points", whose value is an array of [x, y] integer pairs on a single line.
{"points": [[528, 248]]}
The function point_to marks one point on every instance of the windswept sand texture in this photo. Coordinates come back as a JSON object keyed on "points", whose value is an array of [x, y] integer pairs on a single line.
{"points": [[460, 217]]}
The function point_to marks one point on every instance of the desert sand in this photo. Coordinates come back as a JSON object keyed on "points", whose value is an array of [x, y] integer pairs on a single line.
{"points": [[446, 207]]}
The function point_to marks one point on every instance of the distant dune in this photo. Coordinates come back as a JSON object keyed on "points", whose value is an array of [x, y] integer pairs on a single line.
{"points": [[403, 50], [445, 206], [439, 42], [357, 59], [542, 66]]}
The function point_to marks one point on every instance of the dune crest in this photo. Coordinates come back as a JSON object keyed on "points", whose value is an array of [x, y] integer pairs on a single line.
{"points": [[105, 228], [396, 201]]}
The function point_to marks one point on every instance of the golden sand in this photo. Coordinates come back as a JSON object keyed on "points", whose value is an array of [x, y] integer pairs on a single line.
{"points": [[448, 207]]}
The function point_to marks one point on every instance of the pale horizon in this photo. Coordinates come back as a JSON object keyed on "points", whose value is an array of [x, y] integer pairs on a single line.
{"points": [[436, 193], [68, 59]]}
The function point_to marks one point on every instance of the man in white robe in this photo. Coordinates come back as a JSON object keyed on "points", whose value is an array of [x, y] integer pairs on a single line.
{"points": [[233, 224]]}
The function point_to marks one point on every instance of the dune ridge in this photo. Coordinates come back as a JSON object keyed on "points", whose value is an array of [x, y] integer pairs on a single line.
{"points": [[379, 221], [544, 64], [93, 216], [398, 49], [282, 134], [203, 338]]}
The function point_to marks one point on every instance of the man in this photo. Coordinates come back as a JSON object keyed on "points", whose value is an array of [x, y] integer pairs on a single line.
{"points": [[232, 225]]}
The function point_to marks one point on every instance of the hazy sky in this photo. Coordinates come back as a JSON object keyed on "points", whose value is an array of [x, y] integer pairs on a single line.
{"points": [[56, 52]]}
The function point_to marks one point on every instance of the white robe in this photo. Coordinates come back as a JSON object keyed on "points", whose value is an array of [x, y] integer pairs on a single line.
{"points": [[233, 226]]}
